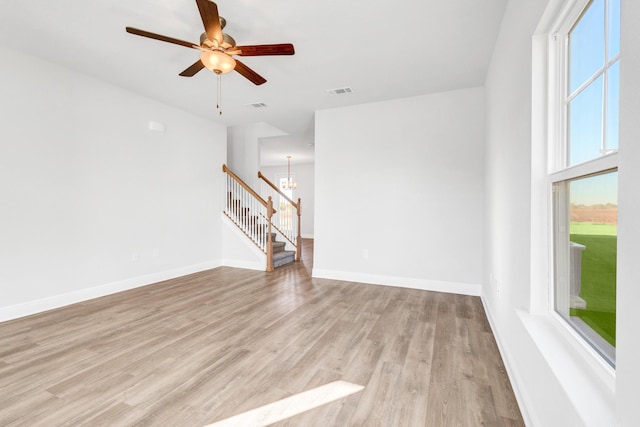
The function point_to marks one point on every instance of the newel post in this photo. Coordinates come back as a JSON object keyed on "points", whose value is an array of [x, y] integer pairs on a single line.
{"points": [[269, 239], [299, 238]]}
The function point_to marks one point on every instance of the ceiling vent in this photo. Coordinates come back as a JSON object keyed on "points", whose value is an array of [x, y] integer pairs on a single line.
{"points": [[340, 91], [257, 105]]}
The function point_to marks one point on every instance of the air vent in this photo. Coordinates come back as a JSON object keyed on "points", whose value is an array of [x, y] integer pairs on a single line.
{"points": [[257, 105], [340, 91]]}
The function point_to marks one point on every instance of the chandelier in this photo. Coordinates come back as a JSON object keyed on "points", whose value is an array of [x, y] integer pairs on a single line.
{"points": [[290, 184]]}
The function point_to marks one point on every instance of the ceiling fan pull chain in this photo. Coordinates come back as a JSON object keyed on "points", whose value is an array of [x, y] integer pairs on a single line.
{"points": [[219, 93]]}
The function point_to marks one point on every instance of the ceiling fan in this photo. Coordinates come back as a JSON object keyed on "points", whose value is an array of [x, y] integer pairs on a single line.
{"points": [[217, 48]]}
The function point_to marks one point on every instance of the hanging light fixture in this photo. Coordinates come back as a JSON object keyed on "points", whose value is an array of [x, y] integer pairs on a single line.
{"points": [[290, 184], [217, 61]]}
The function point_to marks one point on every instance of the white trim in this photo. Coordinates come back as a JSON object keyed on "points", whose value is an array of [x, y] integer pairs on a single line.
{"points": [[573, 364], [593, 166], [541, 125], [548, 119], [597, 364], [247, 265], [560, 172], [401, 282], [513, 374], [49, 303], [583, 375]]}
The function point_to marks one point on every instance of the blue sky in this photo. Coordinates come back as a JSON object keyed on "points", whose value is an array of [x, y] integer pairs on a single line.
{"points": [[588, 55]]}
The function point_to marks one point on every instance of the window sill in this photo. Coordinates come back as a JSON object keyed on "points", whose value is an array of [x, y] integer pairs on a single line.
{"points": [[608, 351], [587, 379]]}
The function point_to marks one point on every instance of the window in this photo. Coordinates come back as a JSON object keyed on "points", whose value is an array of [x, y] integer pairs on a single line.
{"points": [[583, 177]]}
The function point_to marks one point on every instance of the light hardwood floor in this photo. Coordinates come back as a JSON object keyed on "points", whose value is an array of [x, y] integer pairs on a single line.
{"points": [[194, 350]]}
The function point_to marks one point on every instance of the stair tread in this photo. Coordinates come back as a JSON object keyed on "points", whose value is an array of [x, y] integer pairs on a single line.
{"points": [[283, 254], [278, 247], [283, 258]]}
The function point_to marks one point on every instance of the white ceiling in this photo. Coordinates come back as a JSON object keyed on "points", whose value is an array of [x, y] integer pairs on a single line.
{"points": [[380, 50]]}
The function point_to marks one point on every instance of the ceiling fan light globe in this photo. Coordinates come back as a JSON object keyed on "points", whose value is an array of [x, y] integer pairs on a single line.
{"points": [[217, 61]]}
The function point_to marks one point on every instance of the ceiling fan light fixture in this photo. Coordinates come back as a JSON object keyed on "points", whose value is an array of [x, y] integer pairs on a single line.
{"points": [[217, 61], [217, 47]]}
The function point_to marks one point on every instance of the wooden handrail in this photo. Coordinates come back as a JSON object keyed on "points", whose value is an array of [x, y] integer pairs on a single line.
{"points": [[272, 185], [298, 244], [239, 214], [245, 186]]}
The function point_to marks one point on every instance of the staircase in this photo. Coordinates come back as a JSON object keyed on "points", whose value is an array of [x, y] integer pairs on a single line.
{"points": [[254, 216], [280, 255]]}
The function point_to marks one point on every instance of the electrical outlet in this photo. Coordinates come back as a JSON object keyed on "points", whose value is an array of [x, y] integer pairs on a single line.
{"points": [[365, 253], [494, 283], [156, 252], [134, 256]]}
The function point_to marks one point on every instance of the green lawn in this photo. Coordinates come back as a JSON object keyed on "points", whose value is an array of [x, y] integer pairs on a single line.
{"points": [[598, 284]]}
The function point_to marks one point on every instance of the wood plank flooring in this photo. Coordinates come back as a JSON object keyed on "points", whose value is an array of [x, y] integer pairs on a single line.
{"points": [[198, 349]]}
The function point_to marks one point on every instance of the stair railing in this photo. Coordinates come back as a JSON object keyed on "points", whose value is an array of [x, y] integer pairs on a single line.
{"points": [[250, 213], [287, 216]]}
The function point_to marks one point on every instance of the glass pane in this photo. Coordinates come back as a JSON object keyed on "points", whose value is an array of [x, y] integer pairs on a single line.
{"points": [[585, 124], [586, 259], [613, 105], [614, 28], [586, 46]]}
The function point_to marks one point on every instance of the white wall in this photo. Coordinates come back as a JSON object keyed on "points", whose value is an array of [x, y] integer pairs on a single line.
{"points": [[243, 156], [628, 296], [399, 192], [305, 181], [237, 250], [508, 218], [92, 200], [557, 381], [243, 149]]}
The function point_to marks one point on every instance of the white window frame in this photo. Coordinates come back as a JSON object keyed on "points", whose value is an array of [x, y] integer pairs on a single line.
{"points": [[579, 369], [558, 82], [558, 140], [548, 125]]}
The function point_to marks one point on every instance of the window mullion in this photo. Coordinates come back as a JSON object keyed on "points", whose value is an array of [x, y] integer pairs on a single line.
{"points": [[605, 82], [558, 141], [587, 83], [605, 102]]}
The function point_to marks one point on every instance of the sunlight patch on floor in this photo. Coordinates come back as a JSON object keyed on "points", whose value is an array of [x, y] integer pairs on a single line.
{"points": [[290, 406]]}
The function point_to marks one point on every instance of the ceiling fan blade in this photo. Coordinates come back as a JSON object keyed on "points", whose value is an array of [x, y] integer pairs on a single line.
{"points": [[160, 37], [247, 72], [193, 69], [210, 19], [266, 49]]}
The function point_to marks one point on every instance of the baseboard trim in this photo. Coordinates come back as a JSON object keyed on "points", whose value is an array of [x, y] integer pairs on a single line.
{"points": [[513, 374], [49, 303], [247, 265], [401, 282]]}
